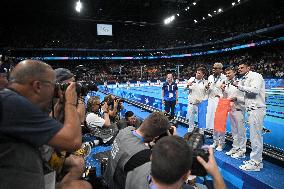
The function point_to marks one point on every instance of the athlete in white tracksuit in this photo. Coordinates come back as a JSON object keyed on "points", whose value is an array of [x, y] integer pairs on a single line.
{"points": [[197, 93], [214, 93], [237, 114], [253, 86]]}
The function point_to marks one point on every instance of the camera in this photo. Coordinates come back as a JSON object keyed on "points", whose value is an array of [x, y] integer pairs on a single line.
{"points": [[173, 122], [82, 87], [110, 101], [171, 119], [195, 141]]}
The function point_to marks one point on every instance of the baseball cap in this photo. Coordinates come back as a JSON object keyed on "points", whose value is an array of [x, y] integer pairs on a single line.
{"points": [[63, 74]]}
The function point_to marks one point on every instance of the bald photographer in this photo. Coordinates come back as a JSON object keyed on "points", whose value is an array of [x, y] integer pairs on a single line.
{"points": [[26, 124]]}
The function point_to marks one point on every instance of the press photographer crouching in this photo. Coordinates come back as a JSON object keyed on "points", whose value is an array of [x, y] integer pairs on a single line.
{"points": [[130, 148], [170, 167], [98, 120], [115, 106], [129, 120]]}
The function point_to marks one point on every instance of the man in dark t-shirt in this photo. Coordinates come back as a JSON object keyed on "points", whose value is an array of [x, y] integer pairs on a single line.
{"points": [[26, 125], [129, 120], [170, 95]]}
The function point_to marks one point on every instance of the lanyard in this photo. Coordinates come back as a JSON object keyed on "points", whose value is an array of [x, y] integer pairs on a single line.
{"points": [[151, 184], [244, 76], [137, 135], [169, 87], [217, 78], [198, 81]]}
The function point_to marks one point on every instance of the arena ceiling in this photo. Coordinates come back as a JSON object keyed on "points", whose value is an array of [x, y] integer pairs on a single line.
{"points": [[141, 11]]}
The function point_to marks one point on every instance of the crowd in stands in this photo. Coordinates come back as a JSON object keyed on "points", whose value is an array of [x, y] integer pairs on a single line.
{"points": [[267, 62]]}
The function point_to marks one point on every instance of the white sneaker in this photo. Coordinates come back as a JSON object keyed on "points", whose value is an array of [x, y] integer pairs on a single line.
{"points": [[249, 161], [232, 151], [239, 155], [250, 166], [219, 148]]}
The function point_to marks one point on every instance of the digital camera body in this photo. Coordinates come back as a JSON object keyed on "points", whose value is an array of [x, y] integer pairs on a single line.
{"points": [[82, 87], [195, 141]]}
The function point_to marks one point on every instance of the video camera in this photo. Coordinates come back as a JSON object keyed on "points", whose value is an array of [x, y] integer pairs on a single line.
{"points": [[82, 87], [195, 141]]}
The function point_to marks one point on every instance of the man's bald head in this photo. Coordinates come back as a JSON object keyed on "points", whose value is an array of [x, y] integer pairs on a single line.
{"points": [[34, 80], [29, 70]]}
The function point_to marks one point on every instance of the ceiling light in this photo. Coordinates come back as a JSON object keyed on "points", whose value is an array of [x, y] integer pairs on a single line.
{"points": [[194, 3], [177, 14], [203, 18], [233, 4], [210, 15], [78, 6], [220, 10], [169, 20], [195, 21]]}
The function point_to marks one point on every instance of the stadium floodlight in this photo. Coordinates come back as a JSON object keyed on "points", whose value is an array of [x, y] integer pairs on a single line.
{"points": [[195, 21], [220, 10], [233, 4], [194, 3], [210, 15], [78, 6], [169, 20]]}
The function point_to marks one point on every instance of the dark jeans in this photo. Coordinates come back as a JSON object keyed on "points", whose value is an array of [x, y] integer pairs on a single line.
{"points": [[170, 105]]}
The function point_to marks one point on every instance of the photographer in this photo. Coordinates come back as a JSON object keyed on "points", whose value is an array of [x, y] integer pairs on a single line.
{"points": [[170, 167], [64, 76], [70, 172], [26, 125], [94, 118], [129, 120], [115, 106], [129, 149], [3, 78]]}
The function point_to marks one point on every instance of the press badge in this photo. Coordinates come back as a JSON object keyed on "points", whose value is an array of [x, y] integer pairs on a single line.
{"points": [[171, 95]]}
